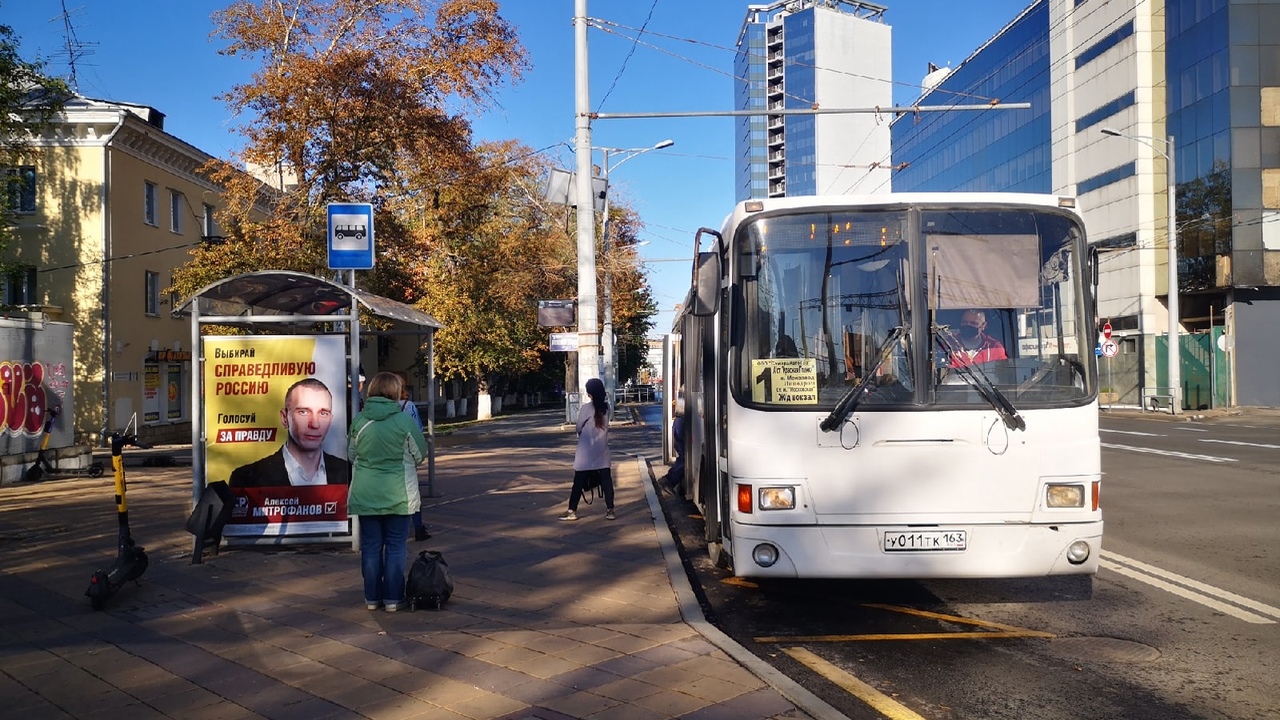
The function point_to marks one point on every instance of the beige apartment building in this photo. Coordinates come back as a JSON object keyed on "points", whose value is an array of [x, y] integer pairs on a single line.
{"points": [[109, 204]]}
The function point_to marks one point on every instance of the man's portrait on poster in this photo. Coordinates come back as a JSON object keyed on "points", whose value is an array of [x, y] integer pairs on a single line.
{"points": [[301, 460]]}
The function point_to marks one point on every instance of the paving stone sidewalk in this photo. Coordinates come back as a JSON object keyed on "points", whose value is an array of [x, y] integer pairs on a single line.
{"points": [[549, 620]]}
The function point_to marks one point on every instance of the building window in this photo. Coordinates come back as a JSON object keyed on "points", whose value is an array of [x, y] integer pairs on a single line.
{"points": [[175, 211], [1090, 119], [174, 301], [20, 189], [1092, 52], [149, 200], [152, 300], [18, 287], [208, 225], [1106, 178]]}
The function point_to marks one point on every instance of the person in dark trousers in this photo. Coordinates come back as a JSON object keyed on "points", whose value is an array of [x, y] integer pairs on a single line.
{"points": [[592, 456], [385, 446]]}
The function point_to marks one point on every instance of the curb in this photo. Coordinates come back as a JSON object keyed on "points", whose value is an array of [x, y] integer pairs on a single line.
{"points": [[691, 611]]}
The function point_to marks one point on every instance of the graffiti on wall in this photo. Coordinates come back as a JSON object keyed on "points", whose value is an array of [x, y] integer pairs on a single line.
{"points": [[25, 388]]}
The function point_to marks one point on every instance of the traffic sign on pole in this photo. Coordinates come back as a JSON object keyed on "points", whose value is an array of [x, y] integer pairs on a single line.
{"points": [[350, 236], [1106, 330], [1110, 348]]}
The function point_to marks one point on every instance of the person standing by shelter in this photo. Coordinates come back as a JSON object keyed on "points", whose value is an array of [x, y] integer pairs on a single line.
{"points": [[591, 460], [385, 446], [406, 404]]}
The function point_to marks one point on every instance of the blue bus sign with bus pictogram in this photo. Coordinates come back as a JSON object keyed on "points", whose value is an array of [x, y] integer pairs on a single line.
{"points": [[350, 236]]}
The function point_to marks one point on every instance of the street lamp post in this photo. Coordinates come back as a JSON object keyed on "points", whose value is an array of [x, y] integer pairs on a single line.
{"points": [[1174, 355], [609, 354]]}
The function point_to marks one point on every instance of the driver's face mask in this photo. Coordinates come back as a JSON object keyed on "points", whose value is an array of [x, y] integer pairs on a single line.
{"points": [[968, 333]]}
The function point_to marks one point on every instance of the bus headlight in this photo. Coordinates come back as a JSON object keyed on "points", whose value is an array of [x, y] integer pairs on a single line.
{"points": [[1064, 496], [777, 498]]}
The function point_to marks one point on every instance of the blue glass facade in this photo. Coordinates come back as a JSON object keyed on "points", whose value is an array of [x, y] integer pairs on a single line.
{"points": [[751, 171], [980, 150], [801, 88], [1199, 81]]}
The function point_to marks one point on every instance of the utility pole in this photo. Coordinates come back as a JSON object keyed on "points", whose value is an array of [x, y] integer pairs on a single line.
{"points": [[588, 322]]}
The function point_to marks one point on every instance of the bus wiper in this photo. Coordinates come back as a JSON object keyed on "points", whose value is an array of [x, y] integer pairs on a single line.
{"points": [[851, 399], [976, 378]]}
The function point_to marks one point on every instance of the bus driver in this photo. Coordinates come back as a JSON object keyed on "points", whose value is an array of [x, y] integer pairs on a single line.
{"points": [[976, 346]]}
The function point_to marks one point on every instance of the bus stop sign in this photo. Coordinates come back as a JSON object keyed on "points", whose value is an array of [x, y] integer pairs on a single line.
{"points": [[350, 236]]}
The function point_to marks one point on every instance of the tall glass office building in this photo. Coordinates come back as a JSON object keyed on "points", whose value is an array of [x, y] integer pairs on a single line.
{"points": [[987, 149], [1197, 81], [791, 55]]}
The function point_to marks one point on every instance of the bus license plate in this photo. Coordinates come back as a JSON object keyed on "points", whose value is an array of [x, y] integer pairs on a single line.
{"points": [[923, 540]]}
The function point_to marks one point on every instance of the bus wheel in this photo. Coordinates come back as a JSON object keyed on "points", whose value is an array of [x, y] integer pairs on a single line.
{"points": [[721, 558]]}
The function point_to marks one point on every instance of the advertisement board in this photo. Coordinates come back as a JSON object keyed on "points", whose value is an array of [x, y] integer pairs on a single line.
{"points": [[276, 431]]}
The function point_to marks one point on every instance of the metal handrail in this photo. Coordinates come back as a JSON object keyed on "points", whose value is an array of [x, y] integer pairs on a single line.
{"points": [[1149, 396]]}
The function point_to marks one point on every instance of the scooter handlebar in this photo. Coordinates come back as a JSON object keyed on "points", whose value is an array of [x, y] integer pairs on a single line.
{"points": [[119, 441]]}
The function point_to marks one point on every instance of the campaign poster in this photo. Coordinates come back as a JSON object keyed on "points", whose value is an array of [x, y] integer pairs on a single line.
{"points": [[276, 430], [150, 393]]}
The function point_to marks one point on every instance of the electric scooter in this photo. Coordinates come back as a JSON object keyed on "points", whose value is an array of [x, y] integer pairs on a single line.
{"points": [[42, 469], [131, 559]]}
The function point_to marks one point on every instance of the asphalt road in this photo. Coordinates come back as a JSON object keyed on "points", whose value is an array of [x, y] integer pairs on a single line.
{"points": [[1181, 622]]}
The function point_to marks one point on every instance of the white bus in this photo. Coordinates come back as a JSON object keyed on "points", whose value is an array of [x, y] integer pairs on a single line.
{"points": [[895, 386]]}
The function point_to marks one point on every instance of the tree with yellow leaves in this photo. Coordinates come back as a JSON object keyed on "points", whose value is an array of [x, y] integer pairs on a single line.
{"points": [[350, 104]]}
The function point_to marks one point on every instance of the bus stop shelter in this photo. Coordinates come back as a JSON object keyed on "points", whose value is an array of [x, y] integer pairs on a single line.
{"points": [[293, 308]]}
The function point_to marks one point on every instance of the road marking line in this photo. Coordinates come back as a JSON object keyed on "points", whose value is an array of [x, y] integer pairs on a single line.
{"points": [[997, 630], [878, 701], [1130, 432], [1189, 429], [978, 635], [1241, 442], [1169, 453], [958, 619], [1208, 595]]}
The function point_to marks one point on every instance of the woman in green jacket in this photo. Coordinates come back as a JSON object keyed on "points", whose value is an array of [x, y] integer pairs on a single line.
{"points": [[385, 446]]}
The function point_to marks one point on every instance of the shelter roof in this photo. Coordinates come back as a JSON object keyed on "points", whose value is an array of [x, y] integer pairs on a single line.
{"points": [[285, 292]]}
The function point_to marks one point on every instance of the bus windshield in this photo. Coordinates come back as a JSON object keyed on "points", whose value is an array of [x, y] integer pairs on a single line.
{"points": [[979, 298]]}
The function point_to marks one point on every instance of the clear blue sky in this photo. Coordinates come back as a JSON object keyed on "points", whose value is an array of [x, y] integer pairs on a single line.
{"points": [[684, 62]]}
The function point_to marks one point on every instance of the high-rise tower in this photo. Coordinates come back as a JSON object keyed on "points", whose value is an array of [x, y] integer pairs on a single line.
{"points": [[802, 54]]}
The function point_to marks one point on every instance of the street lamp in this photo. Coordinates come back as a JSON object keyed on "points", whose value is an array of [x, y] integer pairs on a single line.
{"points": [[1174, 357], [609, 355]]}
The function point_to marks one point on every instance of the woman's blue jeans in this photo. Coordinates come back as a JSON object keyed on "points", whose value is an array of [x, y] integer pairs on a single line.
{"points": [[383, 552]]}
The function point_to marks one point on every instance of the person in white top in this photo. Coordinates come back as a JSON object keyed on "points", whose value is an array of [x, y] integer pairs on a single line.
{"points": [[591, 460]]}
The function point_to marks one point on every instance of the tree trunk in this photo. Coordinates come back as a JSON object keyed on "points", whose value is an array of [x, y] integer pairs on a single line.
{"points": [[484, 402]]}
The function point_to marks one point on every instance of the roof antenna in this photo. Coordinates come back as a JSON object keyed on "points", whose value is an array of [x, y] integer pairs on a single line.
{"points": [[75, 49]]}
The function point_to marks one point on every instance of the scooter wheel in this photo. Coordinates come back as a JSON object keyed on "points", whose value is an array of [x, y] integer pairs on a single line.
{"points": [[95, 470]]}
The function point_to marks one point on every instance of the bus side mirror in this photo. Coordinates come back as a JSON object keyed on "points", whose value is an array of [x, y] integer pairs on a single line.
{"points": [[706, 284]]}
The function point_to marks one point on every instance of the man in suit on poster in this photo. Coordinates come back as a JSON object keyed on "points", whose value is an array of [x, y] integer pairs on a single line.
{"points": [[306, 416]]}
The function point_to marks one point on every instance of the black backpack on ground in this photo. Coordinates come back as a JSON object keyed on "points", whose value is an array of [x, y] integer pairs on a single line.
{"points": [[429, 584]]}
